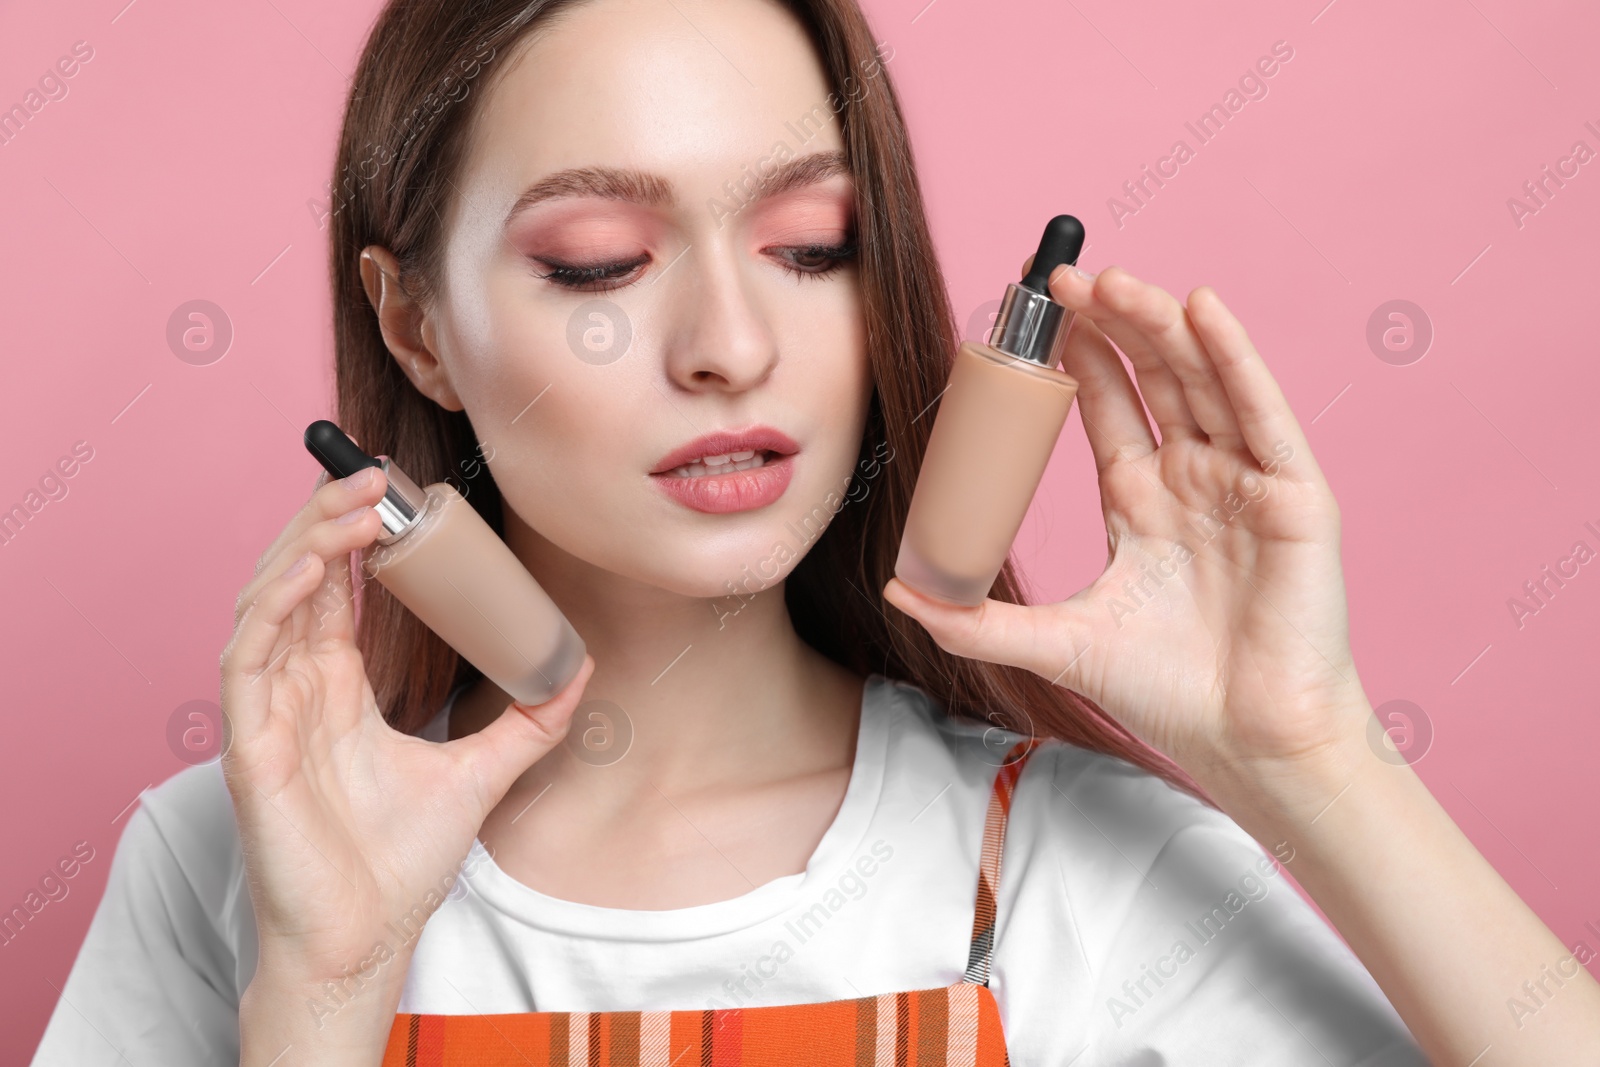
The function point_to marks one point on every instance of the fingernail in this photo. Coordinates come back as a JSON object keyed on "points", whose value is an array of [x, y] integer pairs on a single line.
{"points": [[298, 565], [360, 479], [352, 516], [1087, 276]]}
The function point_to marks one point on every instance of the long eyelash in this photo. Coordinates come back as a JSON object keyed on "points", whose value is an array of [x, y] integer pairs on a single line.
{"points": [[840, 255], [591, 279], [595, 278]]}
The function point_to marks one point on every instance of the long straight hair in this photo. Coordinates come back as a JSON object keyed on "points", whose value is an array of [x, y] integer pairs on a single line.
{"points": [[421, 74]]}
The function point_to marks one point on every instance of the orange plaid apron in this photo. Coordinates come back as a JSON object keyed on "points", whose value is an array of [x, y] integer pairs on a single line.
{"points": [[946, 1026]]}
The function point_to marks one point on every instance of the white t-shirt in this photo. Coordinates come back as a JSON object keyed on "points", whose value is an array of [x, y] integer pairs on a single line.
{"points": [[1134, 926]]}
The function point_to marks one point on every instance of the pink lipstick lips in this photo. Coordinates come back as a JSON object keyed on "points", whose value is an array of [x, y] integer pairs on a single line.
{"points": [[728, 471]]}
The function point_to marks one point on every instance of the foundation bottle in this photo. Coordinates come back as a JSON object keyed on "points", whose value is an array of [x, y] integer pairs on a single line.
{"points": [[999, 418], [442, 561]]}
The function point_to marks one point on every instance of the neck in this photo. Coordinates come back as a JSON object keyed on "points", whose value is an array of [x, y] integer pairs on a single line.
{"points": [[714, 691]]}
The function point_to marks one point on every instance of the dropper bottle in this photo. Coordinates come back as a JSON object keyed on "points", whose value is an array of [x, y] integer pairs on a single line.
{"points": [[999, 418], [441, 560]]}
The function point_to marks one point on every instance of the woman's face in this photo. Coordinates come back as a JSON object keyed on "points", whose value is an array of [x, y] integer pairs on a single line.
{"points": [[608, 196]]}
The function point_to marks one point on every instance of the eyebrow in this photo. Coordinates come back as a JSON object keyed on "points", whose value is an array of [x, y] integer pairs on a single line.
{"points": [[652, 190]]}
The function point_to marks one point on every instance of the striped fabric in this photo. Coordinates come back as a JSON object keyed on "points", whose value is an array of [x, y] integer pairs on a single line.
{"points": [[946, 1026], [994, 839]]}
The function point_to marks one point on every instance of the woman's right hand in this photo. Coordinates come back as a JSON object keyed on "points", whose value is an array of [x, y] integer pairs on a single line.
{"points": [[347, 825]]}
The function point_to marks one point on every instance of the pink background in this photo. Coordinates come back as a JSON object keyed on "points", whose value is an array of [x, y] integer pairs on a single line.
{"points": [[189, 158]]}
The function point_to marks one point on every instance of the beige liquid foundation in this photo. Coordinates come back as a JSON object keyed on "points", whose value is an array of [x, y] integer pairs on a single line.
{"points": [[441, 560], [999, 418]]}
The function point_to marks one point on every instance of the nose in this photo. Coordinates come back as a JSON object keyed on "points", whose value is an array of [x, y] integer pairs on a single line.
{"points": [[721, 341]]}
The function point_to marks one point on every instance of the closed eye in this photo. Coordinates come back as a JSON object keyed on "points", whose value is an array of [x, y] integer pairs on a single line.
{"points": [[832, 257], [597, 278], [805, 261]]}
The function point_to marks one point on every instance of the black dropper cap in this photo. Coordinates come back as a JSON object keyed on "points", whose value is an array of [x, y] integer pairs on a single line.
{"points": [[1061, 243], [335, 451], [1030, 325], [403, 502]]}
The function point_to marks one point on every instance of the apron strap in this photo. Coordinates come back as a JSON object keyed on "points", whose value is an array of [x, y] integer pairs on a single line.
{"points": [[994, 838]]}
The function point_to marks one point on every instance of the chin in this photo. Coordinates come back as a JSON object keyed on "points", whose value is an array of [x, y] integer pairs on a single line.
{"points": [[735, 573]]}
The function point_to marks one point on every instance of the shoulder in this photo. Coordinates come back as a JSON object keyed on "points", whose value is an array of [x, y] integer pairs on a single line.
{"points": [[171, 945], [1113, 881], [1090, 830], [190, 815], [180, 856], [1061, 789]]}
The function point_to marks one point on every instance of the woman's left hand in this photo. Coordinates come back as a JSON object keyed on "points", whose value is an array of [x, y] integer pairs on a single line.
{"points": [[1218, 632]]}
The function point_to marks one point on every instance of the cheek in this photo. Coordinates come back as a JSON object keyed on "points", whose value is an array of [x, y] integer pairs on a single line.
{"points": [[553, 426], [506, 354], [526, 393], [834, 340], [827, 384]]}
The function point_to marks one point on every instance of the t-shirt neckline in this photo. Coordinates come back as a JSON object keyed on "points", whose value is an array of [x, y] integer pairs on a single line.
{"points": [[839, 843]]}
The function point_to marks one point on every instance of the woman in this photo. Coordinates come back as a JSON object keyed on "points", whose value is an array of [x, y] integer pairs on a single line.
{"points": [[794, 798]]}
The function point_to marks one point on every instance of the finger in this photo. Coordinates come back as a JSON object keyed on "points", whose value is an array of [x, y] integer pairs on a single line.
{"points": [[334, 601], [330, 499], [323, 477], [499, 753], [259, 642], [1266, 422], [312, 528], [1113, 416], [331, 542], [1019, 635], [1167, 333], [332, 606], [1102, 297], [331, 539], [328, 615]]}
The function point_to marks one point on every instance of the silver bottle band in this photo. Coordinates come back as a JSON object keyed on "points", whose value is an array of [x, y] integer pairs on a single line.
{"points": [[1030, 326], [402, 505]]}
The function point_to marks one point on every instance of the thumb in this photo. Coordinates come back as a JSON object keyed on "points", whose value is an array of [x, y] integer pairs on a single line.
{"points": [[498, 754], [1038, 637]]}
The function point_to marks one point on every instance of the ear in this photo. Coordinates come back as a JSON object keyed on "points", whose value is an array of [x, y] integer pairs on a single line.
{"points": [[408, 330]]}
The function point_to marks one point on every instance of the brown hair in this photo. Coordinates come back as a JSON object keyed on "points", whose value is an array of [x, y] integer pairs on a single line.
{"points": [[399, 149]]}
